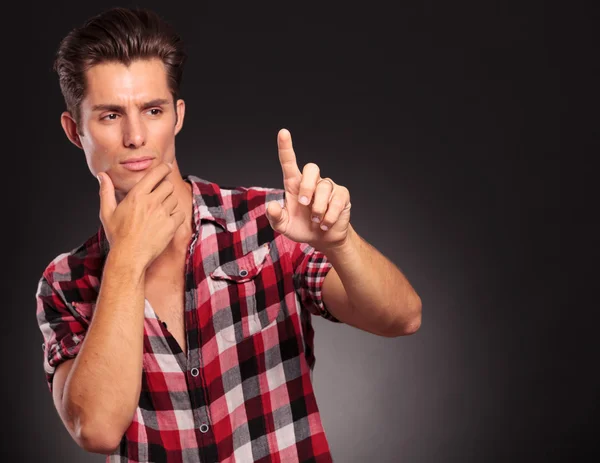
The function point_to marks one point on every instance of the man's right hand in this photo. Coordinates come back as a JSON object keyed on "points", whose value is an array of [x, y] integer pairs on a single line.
{"points": [[143, 223]]}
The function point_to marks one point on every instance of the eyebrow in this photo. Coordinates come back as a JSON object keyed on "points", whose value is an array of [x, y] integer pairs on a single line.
{"points": [[119, 108]]}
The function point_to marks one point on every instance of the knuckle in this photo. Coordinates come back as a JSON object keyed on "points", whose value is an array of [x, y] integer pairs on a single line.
{"points": [[318, 210], [336, 203], [311, 166], [306, 184], [325, 186]]}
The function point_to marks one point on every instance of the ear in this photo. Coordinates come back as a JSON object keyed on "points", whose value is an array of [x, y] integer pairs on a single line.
{"points": [[70, 127], [180, 115]]}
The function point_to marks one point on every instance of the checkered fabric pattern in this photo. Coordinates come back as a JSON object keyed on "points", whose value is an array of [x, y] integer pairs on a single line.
{"points": [[243, 393]]}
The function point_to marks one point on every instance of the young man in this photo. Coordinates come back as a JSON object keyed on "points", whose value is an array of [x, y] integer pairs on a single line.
{"points": [[181, 330]]}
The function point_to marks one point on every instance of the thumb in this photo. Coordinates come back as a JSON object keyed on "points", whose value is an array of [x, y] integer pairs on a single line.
{"points": [[278, 216], [108, 202]]}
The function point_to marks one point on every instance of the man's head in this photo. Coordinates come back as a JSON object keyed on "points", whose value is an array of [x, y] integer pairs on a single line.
{"points": [[120, 75]]}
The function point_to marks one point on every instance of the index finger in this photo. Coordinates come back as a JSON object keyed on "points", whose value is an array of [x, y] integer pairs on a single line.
{"points": [[287, 157], [152, 178]]}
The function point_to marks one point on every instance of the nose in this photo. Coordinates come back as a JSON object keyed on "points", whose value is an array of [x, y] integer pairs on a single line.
{"points": [[134, 132]]}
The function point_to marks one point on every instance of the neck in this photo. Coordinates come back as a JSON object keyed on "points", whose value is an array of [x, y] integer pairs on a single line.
{"points": [[183, 193]]}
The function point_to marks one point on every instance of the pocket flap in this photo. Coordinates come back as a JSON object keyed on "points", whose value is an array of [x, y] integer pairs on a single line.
{"points": [[243, 269]]}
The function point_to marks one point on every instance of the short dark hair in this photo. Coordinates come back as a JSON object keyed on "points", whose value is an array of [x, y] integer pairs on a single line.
{"points": [[117, 35]]}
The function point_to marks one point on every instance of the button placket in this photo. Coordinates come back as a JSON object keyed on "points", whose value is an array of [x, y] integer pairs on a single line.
{"points": [[194, 356]]}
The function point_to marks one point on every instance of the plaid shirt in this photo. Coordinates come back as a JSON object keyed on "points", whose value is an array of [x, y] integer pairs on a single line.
{"points": [[244, 391]]}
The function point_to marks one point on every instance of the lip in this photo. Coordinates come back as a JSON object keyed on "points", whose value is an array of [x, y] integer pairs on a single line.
{"points": [[136, 164], [142, 158]]}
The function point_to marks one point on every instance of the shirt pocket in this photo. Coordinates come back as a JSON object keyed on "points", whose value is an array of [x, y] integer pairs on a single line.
{"points": [[245, 295]]}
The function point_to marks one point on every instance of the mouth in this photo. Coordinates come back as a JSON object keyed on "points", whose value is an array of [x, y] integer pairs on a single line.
{"points": [[136, 164]]}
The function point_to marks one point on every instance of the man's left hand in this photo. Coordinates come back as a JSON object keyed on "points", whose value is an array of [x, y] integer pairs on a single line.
{"points": [[316, 210]]}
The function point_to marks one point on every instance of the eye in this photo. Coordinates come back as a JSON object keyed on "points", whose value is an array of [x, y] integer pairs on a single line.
{"points": [[109, 117], [155, 111]]}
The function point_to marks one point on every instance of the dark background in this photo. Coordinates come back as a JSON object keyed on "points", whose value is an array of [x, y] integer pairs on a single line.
{"points": [[461, 131]]}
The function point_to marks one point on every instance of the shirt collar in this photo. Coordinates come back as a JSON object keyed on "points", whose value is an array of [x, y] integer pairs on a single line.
{"points": [[207, 201]]}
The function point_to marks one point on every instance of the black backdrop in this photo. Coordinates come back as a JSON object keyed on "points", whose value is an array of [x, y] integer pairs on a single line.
{"points": [[460, 130]]}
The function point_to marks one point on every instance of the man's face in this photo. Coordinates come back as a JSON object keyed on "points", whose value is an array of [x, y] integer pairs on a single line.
{"points": [[127, 113]]}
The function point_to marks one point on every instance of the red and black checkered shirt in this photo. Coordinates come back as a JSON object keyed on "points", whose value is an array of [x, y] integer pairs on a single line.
{"points": [[243, 392]]}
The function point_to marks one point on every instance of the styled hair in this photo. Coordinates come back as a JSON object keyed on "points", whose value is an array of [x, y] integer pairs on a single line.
{"points": [[120, 35]]}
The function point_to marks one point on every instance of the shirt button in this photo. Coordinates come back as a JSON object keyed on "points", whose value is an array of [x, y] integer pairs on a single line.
{"points": [[195, 372], [243, 273], [204, 428]]}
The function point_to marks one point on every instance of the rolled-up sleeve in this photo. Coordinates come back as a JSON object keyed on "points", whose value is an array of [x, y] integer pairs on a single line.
{"points": [[310, 268], [63, 330]]}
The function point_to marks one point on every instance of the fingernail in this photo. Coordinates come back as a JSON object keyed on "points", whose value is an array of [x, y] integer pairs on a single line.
{"points": [[304, 200], [315, 219], [324, 227]]}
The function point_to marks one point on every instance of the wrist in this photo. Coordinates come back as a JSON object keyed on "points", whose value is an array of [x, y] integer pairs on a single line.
{"points": [[345, 248], [125, 263]]}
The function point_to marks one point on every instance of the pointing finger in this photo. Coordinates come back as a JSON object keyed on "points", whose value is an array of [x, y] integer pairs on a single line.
{"points": [[287, 157]]}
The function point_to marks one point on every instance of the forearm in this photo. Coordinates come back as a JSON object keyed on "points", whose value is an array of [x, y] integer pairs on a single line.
{"points": [[103, 387], [381, 297]]}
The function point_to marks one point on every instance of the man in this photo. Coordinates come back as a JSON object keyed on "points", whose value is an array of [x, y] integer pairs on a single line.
{"points": [[181, 330]]}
